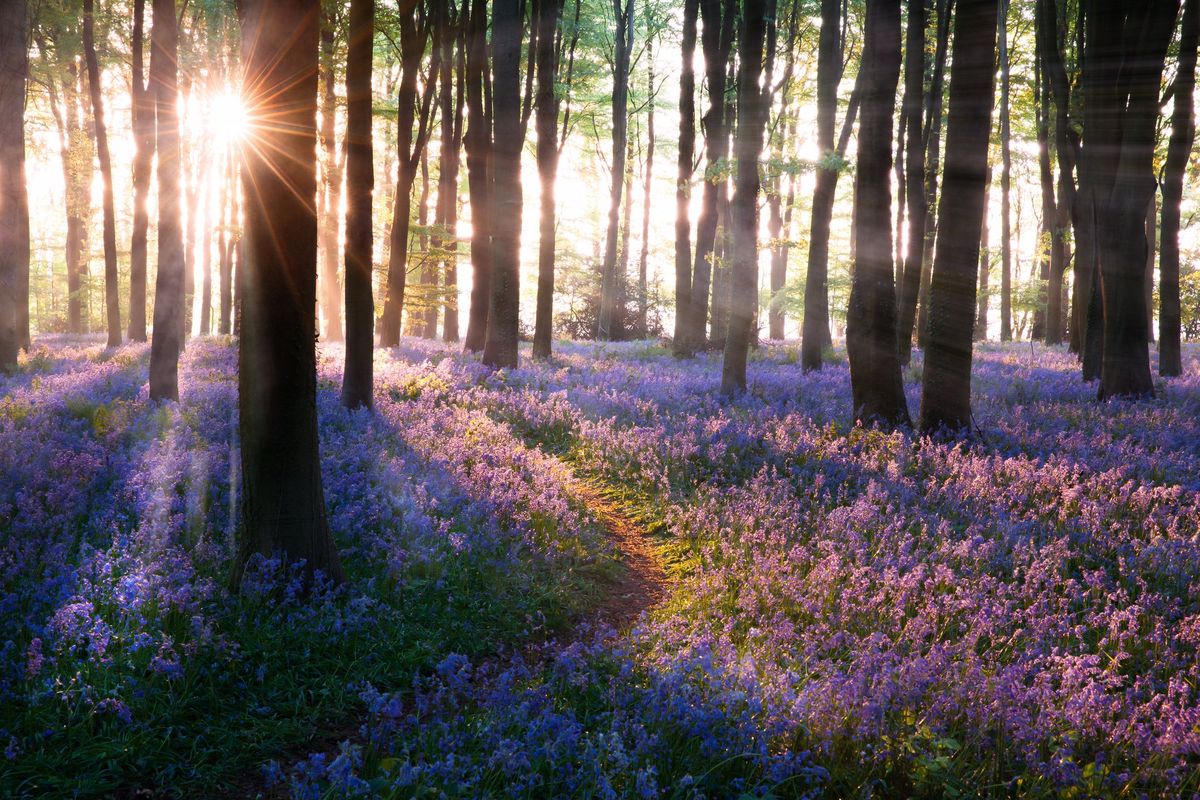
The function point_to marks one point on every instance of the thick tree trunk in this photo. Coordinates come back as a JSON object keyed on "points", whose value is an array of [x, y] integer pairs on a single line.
{"points": [[143, 170], [685, 165], [358, 378], [14, 201], [283, 507], [478, 146], [946, 380], [168, 290], [1183, 134], [500, 347], [914, 185], [610, 280], [752, 107], [878, 392], [546, 15], [331, 174]]}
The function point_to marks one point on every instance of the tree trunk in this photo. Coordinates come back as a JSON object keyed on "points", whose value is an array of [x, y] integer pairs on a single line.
{"points": [[1050, 261], [815, 336], [452, 122], [283, 506], [1005, 182], [1183, 133], [168, 289], [985, 266], [331, 301], [478, 146], [752, 107], [358, 378], [143, 170], [546, 15], [14, 200], [501, 344], [878, 392], [647, 185], [914, 185], [946, 380], [226, 246], [609, 279], [427, 327], [681, 346]]}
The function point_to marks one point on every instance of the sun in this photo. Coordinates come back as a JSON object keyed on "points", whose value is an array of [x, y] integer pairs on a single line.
{"points": [[229, 119]]}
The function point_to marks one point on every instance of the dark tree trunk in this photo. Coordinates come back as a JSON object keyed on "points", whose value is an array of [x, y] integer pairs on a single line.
{"points": [[610, 280], [1045, 317], [77, 178], [112, 291], [985, 266], [358, 379], [14, 201], [1005, 182], [546, 15], [1183, 133], [717, 43], [428, 317], [143, 170], [815, 336], [331, 301], [878, 392], [452, 126], [229, 220], [914, 185], [283, 506], [681, 345], [478, 146], [946, 381], [168, 289], [500, 346], [752, 107]]}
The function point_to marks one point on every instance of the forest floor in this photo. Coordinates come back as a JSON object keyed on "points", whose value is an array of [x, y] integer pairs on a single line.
{"points": [[595, 577]]}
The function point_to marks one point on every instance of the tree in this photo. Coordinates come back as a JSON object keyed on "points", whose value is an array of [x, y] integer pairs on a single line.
{"points": [[331, 178], [452, 98], [112, 300], [752, 108], [1005, 180], [914, 184], [1183, 134], [500, 346], [358, 379], [283, 507], [946, 381], [685, 166], [478, 146], [413, 107], [1124, 49], [547, 14], [610, 280], [168, 290], [876, 386], [143, 171], [14, 203]]}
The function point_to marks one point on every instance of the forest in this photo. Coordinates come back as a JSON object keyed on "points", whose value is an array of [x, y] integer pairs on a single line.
{"points": [[599, 399]]}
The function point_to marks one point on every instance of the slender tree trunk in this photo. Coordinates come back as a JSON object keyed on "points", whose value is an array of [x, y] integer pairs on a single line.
{"points": [[647, 185], [143, 170], [358, 378], [501, 344], [878, 392], [1047, 309], [14, 200], [77, 173], [914, 185], [547, 14], [1151, 241], [226, 247], [478, 146], [427, 327], [1005, 182], [752, 110], [685, 165], [283, 507], [452, 122], [609, 278], [1183, 134], [168, 291], [946, 380], [985, 266], [331, 174]]}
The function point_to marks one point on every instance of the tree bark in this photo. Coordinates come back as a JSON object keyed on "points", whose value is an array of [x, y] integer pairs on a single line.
{"points": [[609, 278], [143, 170], [685, 166], [478, 146], [331, 174], [501, 344], [168, 290], [14, 199], [452, 126], [283, 507], [358, 378], [946, 380], [914, 185], [876, 386], [546, 14], [647, 186], [1005, 182], [985, 266], [1183, 134], [752, 107]]}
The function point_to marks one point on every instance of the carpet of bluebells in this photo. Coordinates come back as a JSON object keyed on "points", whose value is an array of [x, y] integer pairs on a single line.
{"points": [[851, 613]]}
